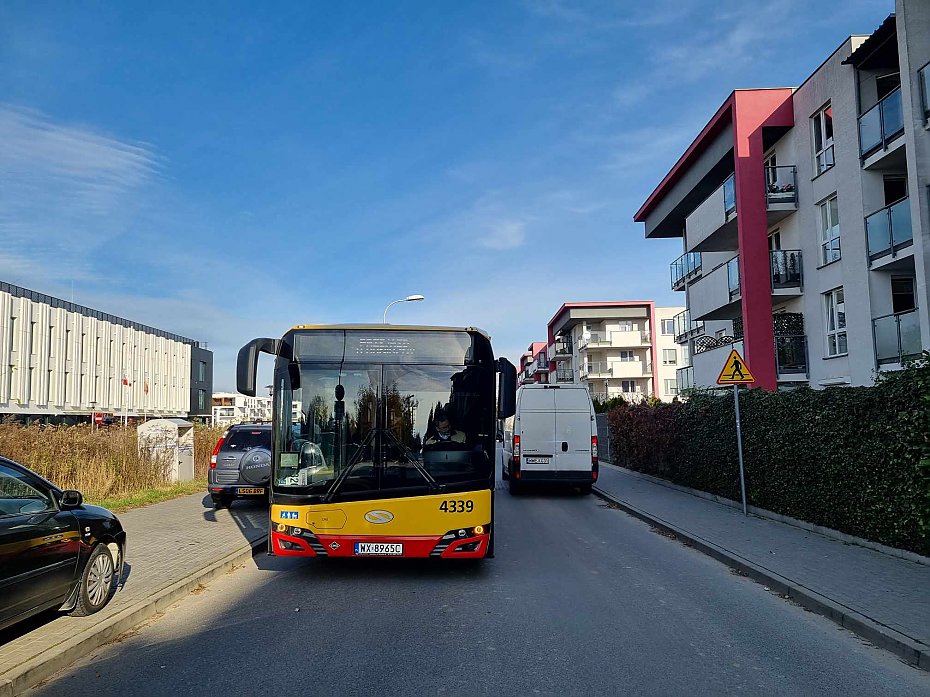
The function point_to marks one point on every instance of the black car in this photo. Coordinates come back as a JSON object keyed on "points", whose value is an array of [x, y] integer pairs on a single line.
{"points": [[240, 467], [55, 550]]}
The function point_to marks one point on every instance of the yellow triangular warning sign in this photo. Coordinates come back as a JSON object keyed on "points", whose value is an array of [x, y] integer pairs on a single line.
{"points": [[735, 371]]}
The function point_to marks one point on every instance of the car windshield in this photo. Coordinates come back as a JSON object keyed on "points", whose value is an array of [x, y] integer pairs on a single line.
{"points": [[396, 428]]}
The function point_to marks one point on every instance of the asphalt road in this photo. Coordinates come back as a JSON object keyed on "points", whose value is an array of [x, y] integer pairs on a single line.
{"points": [[581, 600]]}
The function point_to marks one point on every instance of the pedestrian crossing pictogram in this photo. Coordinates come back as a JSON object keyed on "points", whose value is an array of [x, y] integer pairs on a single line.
{"points": [[735, 371]]}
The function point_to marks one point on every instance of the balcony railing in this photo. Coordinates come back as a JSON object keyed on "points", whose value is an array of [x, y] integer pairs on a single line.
{"points": [[881, 124], [596, 368], [684, 326], [733, 277], [786, 268], [729, 194], [889, 229], [564, 376], [563, 346], [781, 185], [685, 378], [791, 355], [685, 267], [897, 337]]}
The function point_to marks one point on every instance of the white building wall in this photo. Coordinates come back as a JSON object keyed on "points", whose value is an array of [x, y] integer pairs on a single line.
{"points": [[243, 410], [666, 386], [56, 362]]}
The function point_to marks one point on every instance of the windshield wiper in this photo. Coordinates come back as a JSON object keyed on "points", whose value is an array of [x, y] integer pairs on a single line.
{"points": [[356, 458], [414, 460]]}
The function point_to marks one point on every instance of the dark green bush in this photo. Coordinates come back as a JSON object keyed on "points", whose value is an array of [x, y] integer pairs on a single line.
{"points": [[855, 459]]}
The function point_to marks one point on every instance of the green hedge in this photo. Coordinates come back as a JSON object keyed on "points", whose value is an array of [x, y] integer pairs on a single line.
{"points": [[855, 459]]}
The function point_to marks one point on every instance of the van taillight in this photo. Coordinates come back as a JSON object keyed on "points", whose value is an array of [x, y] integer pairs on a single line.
{"points": [[216, 451], [516, 450], [593, 450]]}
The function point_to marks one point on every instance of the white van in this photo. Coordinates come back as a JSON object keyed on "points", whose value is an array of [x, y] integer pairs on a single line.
{"points": [[554, 437]]}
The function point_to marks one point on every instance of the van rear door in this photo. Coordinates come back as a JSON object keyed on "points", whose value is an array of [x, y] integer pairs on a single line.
{"points": [[536, 412], [573, 429]]}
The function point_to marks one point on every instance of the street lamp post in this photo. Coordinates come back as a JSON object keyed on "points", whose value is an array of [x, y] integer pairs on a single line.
{"points": [[408, 299]]}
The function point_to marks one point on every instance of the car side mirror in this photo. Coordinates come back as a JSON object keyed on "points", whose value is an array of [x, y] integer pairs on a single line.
{"points": [[71, 498]]}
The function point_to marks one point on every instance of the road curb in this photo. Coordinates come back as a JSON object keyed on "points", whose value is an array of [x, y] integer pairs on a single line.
{"points": [[26, 675], [906, 648]]}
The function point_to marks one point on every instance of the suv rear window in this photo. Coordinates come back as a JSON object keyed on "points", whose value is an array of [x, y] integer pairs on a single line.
{"points": [[247, 438]]}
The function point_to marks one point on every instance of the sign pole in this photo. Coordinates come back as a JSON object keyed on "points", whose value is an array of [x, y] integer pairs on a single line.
{"points": [[739, 447]]}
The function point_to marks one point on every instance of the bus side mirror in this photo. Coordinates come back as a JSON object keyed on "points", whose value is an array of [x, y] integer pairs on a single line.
{"points": [[506, 389], [247, 363]]}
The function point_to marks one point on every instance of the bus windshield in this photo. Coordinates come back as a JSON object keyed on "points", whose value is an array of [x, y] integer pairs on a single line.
{"points": [[365, 429]]}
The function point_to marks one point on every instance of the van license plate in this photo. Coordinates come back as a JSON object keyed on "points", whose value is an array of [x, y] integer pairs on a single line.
{"points": [[242, 491], [537, 460], [383, 549]]}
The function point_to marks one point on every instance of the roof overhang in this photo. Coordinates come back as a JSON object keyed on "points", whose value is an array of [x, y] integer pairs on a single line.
{"points": [[879, 50]]}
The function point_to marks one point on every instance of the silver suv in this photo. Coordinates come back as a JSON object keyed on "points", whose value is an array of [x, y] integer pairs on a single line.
{"points": [[240, 466]]}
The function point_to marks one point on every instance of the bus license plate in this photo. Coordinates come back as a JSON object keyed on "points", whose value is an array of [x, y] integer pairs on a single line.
{"points": [[245, 490], [383, 549], [537, 460]]}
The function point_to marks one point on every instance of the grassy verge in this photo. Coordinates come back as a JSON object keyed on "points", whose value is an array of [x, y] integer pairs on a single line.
{"points": [[146, 497]]}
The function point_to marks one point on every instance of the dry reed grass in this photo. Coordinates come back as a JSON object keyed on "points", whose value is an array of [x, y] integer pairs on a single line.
{"points": [[99, 462]]}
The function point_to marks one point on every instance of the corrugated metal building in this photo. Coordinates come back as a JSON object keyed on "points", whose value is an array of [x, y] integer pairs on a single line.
{"points": [[63, 362]]}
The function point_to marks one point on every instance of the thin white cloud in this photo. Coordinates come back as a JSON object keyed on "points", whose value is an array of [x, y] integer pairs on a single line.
{"points": [[505, 234], [64, 191]]}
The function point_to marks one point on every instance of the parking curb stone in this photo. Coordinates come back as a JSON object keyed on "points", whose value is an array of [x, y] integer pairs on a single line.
{"points": [[880, 635], [29, 674]]}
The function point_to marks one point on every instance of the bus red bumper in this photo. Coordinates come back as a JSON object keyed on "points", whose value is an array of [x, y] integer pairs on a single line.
{"points": [[449, 546]]}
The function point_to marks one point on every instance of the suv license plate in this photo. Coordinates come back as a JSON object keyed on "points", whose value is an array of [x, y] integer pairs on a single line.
{"points": [[383, 549], [537, 460], [244, 490]]}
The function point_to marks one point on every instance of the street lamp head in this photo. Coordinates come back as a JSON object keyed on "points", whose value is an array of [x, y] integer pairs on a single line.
{"points": [[413, 298]]}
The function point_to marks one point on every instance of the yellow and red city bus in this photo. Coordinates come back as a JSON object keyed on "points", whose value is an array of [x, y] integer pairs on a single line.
{"points": [[383, 439]]}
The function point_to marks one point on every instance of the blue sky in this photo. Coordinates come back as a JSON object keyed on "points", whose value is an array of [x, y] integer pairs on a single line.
{"points": [[227, 172]]}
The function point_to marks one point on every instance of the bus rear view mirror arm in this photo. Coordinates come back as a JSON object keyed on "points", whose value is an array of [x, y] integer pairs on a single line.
{"points": [[247, 363]]}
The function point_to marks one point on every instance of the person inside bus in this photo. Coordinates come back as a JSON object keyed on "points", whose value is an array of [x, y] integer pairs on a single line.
{"points": [[443, 432]]}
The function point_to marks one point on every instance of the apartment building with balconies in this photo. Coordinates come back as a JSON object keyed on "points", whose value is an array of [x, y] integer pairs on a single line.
{"points": [[615, 348], [803, 215], [234, 408], [534, 364]]}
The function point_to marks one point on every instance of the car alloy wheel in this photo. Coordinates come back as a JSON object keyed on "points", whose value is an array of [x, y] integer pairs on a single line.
{"points": [[99, 579]]}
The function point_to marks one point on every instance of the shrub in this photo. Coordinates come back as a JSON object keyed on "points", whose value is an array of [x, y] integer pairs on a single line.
{"points": [[856, 459]]}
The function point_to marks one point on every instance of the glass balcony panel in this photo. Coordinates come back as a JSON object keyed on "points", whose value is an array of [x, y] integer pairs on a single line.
{"points": [[909, 329], [733, 275], [729, 194], [892, 115], [780, 185], [878, 230], [901, 223], [886, 339], [786, 268], [791, 354], [870, 130]]}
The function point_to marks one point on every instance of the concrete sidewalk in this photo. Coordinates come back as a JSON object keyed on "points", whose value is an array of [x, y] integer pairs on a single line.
{"points": [[173, 547], [883, 598]]}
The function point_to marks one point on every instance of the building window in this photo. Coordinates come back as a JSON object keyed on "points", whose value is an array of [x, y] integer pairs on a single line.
{"points": [[669, 357], [628, 386], [202, 371], [668, 326], [625, 325], [829, 231], [671, 386], [627, 356], [822, 127], [720, 334], [201, 400], [835, 311]]}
